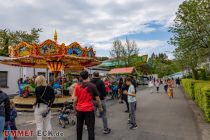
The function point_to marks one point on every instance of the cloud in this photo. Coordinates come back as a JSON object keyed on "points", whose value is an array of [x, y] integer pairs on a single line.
{"points": [[82, 20], [89, 21]]}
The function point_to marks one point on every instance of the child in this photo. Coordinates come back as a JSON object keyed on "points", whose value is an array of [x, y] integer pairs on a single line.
{"points": [[132, 103], [13, 115], [151, 86], [157, 84]]}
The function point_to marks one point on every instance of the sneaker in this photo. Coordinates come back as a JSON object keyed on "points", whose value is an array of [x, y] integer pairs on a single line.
{"points": [[107, 131], [133, 127], [127, 111]]}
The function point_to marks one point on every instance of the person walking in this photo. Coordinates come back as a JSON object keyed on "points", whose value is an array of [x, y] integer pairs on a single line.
{"points": [[151, 86], [125, 96], [84, 94], [45, 97], [165, 86], [170, 89], [157, 84], [132, 103], [102, 94], [4, 111], [107, 86], [120, 83], [178, 82]]}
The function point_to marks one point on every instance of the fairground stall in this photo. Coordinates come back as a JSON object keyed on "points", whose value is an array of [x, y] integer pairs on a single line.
{"points": [[117, 73], [51, 55], [123, 71]]}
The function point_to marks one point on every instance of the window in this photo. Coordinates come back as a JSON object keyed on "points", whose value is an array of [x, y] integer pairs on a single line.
{"points": [[3, 78]]}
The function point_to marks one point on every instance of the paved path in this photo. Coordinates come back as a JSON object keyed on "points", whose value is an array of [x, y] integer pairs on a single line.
{"points": [[159, 118]]}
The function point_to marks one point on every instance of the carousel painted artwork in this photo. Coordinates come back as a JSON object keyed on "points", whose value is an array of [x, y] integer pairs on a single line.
{"points": [[52, 55]]}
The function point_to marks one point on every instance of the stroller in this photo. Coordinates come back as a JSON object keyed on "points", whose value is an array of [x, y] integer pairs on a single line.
{"points": [[65, 117]]}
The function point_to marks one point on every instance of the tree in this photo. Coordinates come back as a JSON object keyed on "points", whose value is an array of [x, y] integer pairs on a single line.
{"points": [[191, 33], [8, 38], [116, 51], [124, 52], [103, 58], [129, 50], [161, 65]]}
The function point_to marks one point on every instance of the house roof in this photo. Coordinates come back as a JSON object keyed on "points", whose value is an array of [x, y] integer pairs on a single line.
{"points": [[128, 70]]}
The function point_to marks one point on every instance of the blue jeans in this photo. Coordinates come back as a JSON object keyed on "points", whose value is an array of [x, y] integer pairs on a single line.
{"points": [[2, 123], [103, 114], [132, 113]]}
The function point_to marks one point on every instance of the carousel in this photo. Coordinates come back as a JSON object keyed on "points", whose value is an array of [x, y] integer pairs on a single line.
{"points": [[51, 55]]}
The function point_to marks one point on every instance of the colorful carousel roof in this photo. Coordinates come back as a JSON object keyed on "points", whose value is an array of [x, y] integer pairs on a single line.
{"points": [[44, 54]]}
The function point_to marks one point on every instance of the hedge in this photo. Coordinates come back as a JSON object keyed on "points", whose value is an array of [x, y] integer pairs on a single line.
{"points": [[200, 92], [188, 85]]}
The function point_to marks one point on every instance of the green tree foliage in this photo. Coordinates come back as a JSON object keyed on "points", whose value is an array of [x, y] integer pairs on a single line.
{"points": [[161, 65], [124, 52], [191, 33], [8, 38]]}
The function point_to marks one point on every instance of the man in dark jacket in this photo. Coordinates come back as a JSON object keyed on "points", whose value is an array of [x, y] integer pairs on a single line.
{"points": [[4, 110], [102, 94]]}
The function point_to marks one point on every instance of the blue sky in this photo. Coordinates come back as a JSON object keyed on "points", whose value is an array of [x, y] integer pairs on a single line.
{"points": [[95, 22]]}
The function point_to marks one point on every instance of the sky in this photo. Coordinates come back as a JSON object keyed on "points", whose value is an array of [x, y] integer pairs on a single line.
{"points": [[95, 22]]}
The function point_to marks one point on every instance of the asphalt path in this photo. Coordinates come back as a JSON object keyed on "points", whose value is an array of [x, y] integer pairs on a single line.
{"points": [[158, 118]]}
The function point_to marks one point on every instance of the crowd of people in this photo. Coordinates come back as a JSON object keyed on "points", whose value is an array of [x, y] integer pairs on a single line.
{"points": [[168, 85], [89, 96]]}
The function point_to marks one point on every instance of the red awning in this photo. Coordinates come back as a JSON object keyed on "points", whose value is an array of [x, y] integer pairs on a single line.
{"points": [[129, 70]]}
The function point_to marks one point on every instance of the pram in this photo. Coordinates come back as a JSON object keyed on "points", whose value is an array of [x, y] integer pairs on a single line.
{"points": [[65, 117]]}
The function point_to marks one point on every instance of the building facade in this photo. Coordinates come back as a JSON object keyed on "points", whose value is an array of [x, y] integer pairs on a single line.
{"points": [[9, 76]]}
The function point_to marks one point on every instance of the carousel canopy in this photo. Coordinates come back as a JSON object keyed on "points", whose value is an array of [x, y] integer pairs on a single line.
{"points": [[50, 54]]}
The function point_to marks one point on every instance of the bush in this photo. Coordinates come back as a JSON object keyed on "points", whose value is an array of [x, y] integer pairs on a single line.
{"points": [[200, 92], [188, 85]]}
